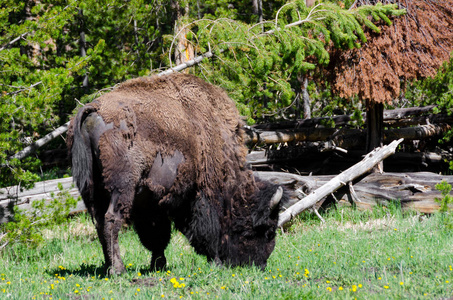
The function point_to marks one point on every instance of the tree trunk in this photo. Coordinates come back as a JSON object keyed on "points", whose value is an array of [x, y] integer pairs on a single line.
{"points": [[82, 44], [184, 50], [375, 124], [306, 99]]}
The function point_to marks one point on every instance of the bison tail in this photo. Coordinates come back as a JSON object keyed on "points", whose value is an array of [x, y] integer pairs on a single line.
{"points": [[79, 146]]}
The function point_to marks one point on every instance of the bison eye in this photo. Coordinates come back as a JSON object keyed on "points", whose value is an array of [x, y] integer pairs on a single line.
{"points": [[270, 234]]}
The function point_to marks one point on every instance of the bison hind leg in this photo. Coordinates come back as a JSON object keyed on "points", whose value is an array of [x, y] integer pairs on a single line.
{"points": [[153, 227]]}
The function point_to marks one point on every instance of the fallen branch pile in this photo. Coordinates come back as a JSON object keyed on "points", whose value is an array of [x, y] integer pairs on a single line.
{"points": [[424, 124]]}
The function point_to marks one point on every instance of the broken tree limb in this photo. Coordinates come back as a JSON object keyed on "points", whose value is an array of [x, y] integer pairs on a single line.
{"points": [[186, 64], [371, 159], [13, 41], [41, 142]]}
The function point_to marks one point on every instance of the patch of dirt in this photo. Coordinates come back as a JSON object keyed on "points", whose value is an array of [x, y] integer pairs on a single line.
{"points": [[145, 282]]}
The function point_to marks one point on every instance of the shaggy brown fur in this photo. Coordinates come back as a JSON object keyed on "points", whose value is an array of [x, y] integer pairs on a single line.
{"points": [[171, 147]]}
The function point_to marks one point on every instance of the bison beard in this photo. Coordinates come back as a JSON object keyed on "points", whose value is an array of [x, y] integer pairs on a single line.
{"points": [[170, 148]]}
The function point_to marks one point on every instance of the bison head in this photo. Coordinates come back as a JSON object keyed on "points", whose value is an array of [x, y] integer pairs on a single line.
{"points": [[250, 239]]}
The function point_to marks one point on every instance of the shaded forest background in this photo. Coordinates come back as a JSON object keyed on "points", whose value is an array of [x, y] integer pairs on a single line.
{"points": [[57, 55]]}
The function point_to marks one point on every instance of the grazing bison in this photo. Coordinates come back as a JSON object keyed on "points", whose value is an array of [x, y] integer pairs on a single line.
{"points": [[162, 149]]}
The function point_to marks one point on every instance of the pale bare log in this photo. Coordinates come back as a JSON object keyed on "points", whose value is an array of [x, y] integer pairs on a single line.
{"points": [[41, 142], [14, 195], [186, 64], [415, 191], [417, 132], [344, 137], [372, 158]]}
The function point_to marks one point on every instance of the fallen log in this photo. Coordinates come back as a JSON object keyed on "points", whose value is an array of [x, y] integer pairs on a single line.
{"points": [[364, 166], [390, 116], [414, 191], [47, 190], [344, 138]]}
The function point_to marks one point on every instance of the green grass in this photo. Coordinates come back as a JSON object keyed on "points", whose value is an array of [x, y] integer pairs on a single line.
{"points": [[382, 254]]}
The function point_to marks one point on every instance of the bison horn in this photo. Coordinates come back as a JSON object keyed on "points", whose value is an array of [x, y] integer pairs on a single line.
{"points": [[275, 200]]}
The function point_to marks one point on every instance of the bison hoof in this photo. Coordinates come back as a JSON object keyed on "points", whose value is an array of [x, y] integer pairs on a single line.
{"points": [[111, 271]]}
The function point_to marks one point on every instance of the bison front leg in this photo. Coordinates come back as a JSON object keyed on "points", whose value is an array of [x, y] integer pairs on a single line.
{"points": [[112, 224]]}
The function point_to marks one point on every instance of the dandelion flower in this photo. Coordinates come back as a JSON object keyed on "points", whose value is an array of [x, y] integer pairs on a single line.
{"points": [[340, 288]]}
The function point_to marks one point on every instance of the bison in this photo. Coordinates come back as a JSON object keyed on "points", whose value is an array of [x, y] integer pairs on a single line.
{"points": [[157, 150]]}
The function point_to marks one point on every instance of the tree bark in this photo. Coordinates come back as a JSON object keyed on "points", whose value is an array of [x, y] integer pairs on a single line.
{"points": [[306, 99], [366, 165], [184, 50], [375, 125]]}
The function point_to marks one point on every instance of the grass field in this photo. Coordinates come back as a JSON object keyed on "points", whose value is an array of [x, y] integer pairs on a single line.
{"points": [[365, 255]]}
